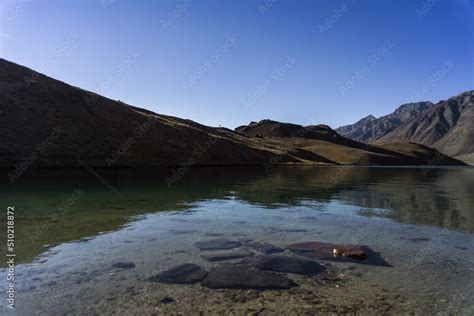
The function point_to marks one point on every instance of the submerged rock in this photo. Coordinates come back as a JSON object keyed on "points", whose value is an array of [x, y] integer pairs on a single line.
{"points": [[338, 252], [187, 273], [328, 251], [265, 248], [218, 244], [182, 231], [288, 265], [213, 257], [124, 265], [243, 277]]}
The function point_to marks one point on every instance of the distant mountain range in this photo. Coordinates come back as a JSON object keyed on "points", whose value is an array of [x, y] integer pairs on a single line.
{"points": [[48, 123], [370, 129], [446, 126]]}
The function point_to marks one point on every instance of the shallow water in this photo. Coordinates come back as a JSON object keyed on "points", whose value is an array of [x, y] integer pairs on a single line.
{"points": [[71, 227]]}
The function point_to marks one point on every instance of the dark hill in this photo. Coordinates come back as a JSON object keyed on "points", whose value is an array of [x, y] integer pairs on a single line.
{"points": [[46, 122], [80, 125], [325, 142]]}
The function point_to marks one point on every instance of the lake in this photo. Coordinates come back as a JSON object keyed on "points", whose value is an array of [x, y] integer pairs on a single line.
{"points": [[88, 241]]}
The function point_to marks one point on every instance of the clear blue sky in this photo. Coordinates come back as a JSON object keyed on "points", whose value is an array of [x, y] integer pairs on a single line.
{"points": [[230, 62]]}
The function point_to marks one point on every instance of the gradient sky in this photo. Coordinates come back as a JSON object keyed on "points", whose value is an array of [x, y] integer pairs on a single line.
{"points": [[230, 62]]}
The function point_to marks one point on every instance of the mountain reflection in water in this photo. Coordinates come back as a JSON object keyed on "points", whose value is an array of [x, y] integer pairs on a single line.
{"points": [[57, 206]]}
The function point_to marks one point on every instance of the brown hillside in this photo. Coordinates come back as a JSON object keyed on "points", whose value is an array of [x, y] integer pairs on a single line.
{"points": [[47, 122]]}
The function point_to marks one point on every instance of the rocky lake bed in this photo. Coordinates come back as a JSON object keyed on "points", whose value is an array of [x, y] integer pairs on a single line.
{"points": [[252, 250], [222, 276]]}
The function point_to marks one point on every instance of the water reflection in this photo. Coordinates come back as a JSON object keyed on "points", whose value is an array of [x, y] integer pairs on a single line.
{"points": [[57, 206]]}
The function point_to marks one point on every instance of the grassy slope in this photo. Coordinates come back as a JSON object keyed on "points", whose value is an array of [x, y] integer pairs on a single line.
{"points": [[468, 159], [428, 154]]}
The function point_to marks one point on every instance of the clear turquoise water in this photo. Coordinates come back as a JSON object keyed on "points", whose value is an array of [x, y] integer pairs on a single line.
{"points": [[421, 221]]}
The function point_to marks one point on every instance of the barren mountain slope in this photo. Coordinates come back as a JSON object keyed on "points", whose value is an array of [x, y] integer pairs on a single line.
{"points": [[46, 122], [321, 140], [369, 129], [61, 125], [448, 127]]}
